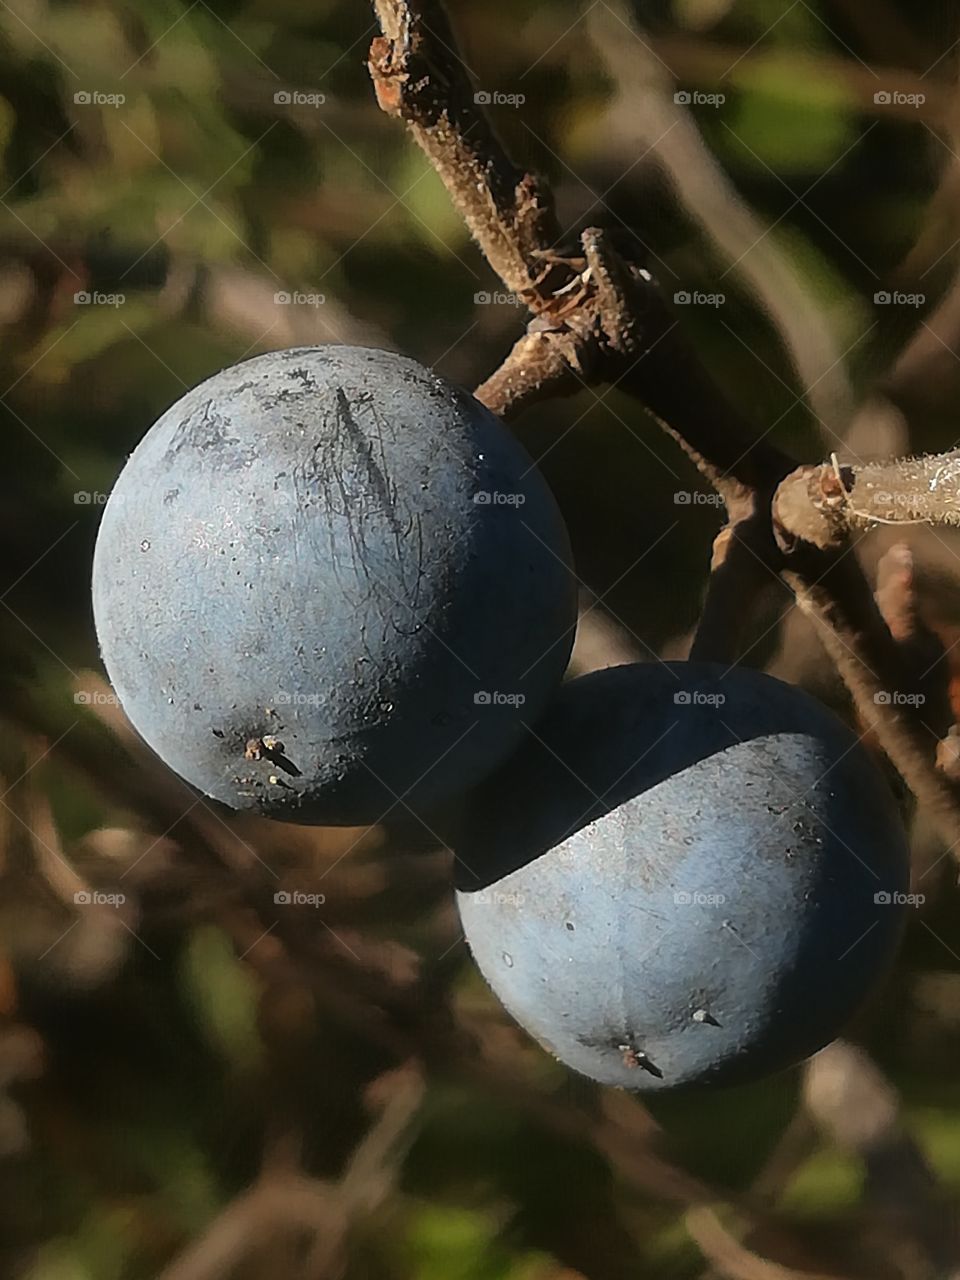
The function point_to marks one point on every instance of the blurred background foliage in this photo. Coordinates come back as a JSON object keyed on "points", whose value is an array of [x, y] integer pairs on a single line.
{"points": [[197, 1083]]}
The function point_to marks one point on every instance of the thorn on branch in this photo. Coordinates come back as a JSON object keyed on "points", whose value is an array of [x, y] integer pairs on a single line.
{"points": [[896, 594]]}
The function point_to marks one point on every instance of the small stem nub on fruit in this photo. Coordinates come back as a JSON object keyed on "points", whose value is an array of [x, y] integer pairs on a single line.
{"points": [[272, 749], [701, 1015], [634, 1058]]}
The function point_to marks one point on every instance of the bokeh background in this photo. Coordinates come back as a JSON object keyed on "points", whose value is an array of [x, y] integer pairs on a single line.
{"points": [[198, 1084]]}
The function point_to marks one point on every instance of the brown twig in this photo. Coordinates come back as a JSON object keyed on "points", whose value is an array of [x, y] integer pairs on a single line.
{"points": [[536, 369], [599, 317], [831, 589], [730, 1257], [271, 1210], [739, 570], [419, 76], [825, 504], [921, 649], [598, 313]]}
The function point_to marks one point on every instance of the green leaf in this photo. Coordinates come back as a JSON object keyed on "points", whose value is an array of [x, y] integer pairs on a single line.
{"points": [[224, 996], [789, 114]]}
